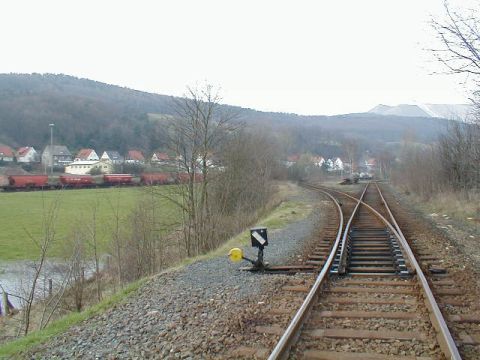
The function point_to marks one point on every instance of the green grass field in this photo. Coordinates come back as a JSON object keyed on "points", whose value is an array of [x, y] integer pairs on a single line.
{"points": [[22, 214]]}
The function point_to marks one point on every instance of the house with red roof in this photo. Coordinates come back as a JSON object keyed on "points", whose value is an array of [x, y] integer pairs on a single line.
{"points": [[160, 158], [134, 157], [86, 155], [318, 160], [6, 153], [371, 164], [27, 154]]}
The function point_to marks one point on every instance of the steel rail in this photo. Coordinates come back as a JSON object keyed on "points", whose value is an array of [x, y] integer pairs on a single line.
{"points": [[446, 341], [289, 336], [343, 250]]}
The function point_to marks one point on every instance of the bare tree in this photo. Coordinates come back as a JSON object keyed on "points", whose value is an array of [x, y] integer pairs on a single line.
{"points": [[195, 136], [48, 224], [350, 146], [93, 243], [116, 241], [244, 185], [77, 264], [143, 248], [460, 37]]}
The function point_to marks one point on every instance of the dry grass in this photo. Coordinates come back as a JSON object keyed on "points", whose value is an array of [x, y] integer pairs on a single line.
{"points": [[280, 212], [463, 207]]}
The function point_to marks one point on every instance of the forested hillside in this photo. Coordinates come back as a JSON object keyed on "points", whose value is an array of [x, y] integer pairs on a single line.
{"points": [[85, 113], [88, 113]]}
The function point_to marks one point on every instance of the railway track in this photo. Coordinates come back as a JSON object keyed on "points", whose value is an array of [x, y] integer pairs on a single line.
{"points": [[371, 299]]}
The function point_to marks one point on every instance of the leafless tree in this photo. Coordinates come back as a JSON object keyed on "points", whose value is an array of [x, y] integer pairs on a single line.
{"points": [[350, 146], [460, 36], [77, 264], [143, 248], [197, 132], [43, 244], [459, 148], [385, 162], [244, 185], [93, 243], [459, 51]]}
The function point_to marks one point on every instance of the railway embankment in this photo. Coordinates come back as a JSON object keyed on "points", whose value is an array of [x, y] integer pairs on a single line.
{"points": [[447, 247], [453, 218], [197, 309]]}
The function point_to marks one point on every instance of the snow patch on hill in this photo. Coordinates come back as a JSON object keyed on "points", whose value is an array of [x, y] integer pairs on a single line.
{"points": [[446, 111]]}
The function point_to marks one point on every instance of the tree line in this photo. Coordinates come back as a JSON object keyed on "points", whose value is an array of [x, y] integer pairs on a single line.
{"points": [[453, 162]]}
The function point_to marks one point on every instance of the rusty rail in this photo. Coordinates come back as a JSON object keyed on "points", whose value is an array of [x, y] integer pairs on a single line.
{"points": [[444, 336], [445, 341], [343, 252], [287, 340]]}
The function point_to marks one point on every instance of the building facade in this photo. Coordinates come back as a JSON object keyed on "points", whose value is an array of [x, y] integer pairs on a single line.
{"points": [[59, 154], [87, 166]]}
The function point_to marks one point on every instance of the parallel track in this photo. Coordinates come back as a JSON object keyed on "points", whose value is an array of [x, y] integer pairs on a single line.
{"points": [[352, 310]]}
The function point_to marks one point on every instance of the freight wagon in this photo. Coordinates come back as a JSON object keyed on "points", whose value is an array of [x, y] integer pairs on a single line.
{"points": [[33, 182], [117, 179], [77, 181], [27, 182], [157, 179]]}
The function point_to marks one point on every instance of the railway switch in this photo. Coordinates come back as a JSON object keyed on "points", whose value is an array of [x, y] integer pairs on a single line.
{"points": [[259, 239]]}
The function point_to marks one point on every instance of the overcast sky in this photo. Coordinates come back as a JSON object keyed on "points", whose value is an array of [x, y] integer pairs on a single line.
{"points": [[307, 57]]}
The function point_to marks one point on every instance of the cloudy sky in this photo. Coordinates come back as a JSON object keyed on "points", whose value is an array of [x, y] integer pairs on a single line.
{"points": [[308, 57]]}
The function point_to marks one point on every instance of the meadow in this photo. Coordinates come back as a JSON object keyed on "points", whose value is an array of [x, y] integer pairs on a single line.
{"points": [[22, 216]]}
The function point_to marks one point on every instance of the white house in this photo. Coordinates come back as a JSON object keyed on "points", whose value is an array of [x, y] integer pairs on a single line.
{"points": [[112, 156], [318, 161], [86, 154], [335, 164], [338, 164], [84, 167], [27, 154], [6, 153]]}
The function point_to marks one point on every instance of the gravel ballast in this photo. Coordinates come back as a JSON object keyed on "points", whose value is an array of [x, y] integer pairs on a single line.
{"points": [[195, 312]]}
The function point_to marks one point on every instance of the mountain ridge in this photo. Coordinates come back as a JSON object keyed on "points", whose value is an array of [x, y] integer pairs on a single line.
{"points": [[88, 113]]}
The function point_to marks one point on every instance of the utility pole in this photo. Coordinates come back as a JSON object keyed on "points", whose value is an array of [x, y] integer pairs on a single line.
{"points": [[51, 148]]}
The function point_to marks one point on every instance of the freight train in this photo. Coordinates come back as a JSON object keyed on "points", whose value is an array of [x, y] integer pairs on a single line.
{"points": [[68, 181]]}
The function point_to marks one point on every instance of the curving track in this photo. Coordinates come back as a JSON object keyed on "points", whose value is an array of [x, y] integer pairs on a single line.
{"points": [[371, 299]]}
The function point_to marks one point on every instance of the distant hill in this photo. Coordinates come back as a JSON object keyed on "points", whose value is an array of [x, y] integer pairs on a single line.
{"points": [[446, 111], [88, 113], [85, 112]]}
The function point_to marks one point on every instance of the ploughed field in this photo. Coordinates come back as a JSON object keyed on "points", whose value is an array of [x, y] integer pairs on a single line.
{"points": [[22, 216]]}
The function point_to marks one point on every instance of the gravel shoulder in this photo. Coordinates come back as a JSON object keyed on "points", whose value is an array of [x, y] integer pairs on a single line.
{"points": [[464, 236], [197, 311]]}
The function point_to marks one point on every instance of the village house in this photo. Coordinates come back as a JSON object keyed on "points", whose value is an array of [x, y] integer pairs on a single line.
{"points": [[60, 155], [87, 155], [335, 164], [370, 164], [160, 158], [6, 153], [85, 167], [291, 159], [27, 154], [318, 161], [112, 156], [134, 157]]}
